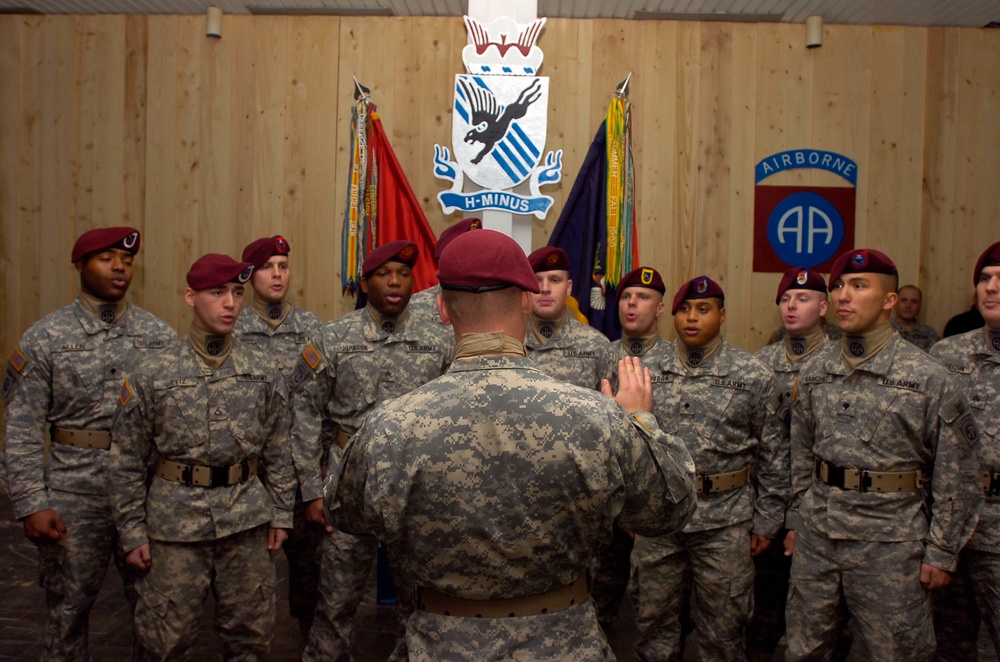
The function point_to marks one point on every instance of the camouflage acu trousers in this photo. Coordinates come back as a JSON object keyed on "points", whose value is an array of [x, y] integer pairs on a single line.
{"points": [[239, 571], [879, 582], [972, 598], [72, 571], [721, 597]]}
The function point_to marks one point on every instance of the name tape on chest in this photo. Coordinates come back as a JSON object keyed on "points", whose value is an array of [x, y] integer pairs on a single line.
{"points": [[352, 348], [960, 368], [720, 382], [180, 382], [142, 343], [418, 348], [907, 384], [580, 353], [73, 347], [253, 378]]}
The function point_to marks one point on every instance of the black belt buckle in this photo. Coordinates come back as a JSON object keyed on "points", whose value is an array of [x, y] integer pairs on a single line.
{"points": [[994, 484], [244, 470], [834, 474], [706, 484], [865, 481], [219, 476], [187, 475]]}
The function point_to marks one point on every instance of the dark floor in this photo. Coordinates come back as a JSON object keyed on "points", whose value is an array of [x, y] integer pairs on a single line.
{"points": [[22, 614]]}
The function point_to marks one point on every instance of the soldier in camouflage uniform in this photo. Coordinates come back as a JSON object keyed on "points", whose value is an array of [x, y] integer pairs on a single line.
{"points": [[802, 302], [281, 330], [906, 323], [424, 302], [495, 485], [561, 346], [884, 478], [722, 403], [353, 364], [974, 360], [65, 372], [195, 423]]}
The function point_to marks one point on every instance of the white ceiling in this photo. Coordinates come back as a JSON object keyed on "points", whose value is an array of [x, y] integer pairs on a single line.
{"points": [[966, 13]]}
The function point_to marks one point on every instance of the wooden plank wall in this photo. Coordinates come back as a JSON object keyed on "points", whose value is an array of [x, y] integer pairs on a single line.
{"points": [[206, 144]]}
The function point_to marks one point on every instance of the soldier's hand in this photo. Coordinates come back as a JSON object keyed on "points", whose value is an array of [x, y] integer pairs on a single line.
{"points": [[759, 544], [635, 386], [140, 558], [275, 537], [932, 578], [790, 543], [45, 525], [315, 514]]}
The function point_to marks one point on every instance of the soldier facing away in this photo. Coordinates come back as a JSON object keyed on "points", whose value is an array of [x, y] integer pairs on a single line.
{"points": [[272, 324], [205, 415], [974, 360], [884, 479], [65, 372], [494, 485]]}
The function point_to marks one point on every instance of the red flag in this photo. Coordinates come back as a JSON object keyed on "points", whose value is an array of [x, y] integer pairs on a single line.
{"points": [[399, 212]]}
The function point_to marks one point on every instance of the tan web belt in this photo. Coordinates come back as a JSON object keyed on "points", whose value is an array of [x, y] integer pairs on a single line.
{"points": [[564, 597], [712, 483], [991, 482], [194, 475], [100, 439], [863, 480]]}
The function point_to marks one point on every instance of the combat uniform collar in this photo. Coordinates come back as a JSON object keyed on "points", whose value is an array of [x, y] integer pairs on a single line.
{"points": [[273, 314], [494, 362], [860, 348], [97, 314], [211, 348], [488, 344], [379, 327], [693, 358], [543, 330], [799, 348], [880, 362], [640, 345], [991, 341]]}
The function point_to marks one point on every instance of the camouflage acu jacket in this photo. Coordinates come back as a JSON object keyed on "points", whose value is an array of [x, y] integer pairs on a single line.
{"points": [[352, 365], [726, 411], [283, 344], [576, 353], [171, 409], [495, 481], [974, 360], [66, 371], [899, 411]]}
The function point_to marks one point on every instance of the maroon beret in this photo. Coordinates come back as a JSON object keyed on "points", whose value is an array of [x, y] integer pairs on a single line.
{"points": [[102, 239], [641, 277], [701, 287], [259, 252], [453, 231], [484, 261], [214, 269], [862, 261], [549, 258], [402, 250], [798, 278], [989, 258]]}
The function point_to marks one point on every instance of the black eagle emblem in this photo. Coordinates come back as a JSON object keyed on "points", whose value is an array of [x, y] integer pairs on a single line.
{"points": [[489, 121]]}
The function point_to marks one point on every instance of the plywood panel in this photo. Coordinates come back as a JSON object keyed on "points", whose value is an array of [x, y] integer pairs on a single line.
{"points": [[206, 144]]}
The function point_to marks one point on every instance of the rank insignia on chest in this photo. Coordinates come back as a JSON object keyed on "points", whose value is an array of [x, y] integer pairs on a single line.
{"points": [[17, 359], [311, 356], [126, 395]]}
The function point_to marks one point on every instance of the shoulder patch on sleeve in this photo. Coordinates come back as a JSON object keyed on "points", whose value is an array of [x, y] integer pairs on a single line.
{"points": [[311, 356], [17, 359], [955, 411], [10, 377], [126, 394]]}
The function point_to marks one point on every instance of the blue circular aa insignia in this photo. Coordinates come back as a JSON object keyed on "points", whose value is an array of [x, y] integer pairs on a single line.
{"points": [[805, 229]]}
